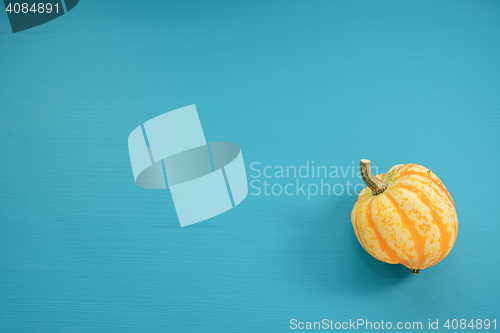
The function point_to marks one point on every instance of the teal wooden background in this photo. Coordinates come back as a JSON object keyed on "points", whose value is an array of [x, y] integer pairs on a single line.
{"points": [[83, 249]]}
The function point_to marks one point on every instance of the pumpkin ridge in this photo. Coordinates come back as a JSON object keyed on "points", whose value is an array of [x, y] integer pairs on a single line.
{"points": [[393, 172], [422, 180], [445, 235], [404, 249], [384, 246], [365, 244], [356, 224], [363, 196], [418, 240], [435, 181]]}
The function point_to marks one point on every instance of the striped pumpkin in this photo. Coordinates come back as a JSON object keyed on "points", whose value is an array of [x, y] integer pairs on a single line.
{"points": [[405, 216]]}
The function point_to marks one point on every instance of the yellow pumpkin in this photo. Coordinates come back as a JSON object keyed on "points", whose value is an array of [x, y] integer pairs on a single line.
{"points": [[405, 216]]}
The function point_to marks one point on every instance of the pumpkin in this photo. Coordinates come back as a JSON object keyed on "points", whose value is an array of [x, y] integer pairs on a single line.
{"points": [[405, 216]]}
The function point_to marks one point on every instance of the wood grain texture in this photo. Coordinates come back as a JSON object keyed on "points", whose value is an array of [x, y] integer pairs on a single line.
{"points": [[83, 249]]}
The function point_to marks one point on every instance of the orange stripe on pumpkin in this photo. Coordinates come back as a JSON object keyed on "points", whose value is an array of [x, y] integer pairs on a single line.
{"points": [[435, 181], [393, 256], [445, 235], [418, 241]]}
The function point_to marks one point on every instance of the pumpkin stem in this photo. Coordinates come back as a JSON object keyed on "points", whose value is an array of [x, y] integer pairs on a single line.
{"points": [[375, 184]]}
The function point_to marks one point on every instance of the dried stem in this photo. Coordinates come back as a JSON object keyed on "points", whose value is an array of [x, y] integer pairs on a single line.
{"points": [[375, 184]]}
